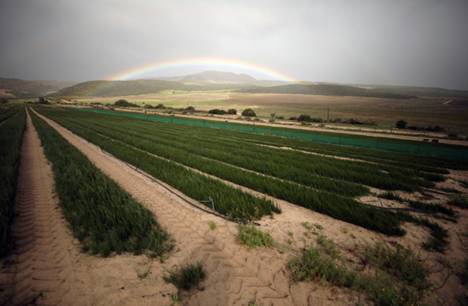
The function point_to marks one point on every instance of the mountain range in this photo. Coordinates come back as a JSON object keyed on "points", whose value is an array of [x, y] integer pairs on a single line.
{"points": [[17, 88], [213, 80]]}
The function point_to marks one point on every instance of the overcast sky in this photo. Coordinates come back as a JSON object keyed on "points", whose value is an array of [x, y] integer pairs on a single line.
{"points": [[409, 42]]}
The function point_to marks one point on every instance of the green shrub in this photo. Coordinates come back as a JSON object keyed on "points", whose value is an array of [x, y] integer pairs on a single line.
{"points": [[307, 118], [212, 225], [186, 277], [252, 237], [124, 103], [217, 111], [327, 246], [401, 124], [399, 262], [380, 287], [248, 112]]}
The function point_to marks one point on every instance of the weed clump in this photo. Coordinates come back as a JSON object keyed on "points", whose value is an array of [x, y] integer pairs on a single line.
{"points": [[187, 277], [252, 237], [212, 225], [399, 262], [397, 277]]}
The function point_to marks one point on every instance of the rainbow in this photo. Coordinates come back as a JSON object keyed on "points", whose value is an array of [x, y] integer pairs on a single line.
{"points": [[139, 72]]}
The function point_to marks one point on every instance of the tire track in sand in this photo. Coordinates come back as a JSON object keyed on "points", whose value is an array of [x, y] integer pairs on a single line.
{"points": [[40, 267], [235, 276]]}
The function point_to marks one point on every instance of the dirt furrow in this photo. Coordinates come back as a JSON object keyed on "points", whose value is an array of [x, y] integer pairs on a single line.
{"points": [[41, 263]]}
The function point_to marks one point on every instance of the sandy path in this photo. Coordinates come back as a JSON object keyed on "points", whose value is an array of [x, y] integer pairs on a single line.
{"points": [[42, 257]]}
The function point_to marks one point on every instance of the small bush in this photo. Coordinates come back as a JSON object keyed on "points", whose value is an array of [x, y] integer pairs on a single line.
{"points": [[212, 225], [248, 112], [380, 287], [190, 109], [401, 124], [399, 262], [252, 237], [307, 118], [124, 103], [459, 201], [217, 111], [187, 277], [328, 246], [232, 111], [311, 265]]}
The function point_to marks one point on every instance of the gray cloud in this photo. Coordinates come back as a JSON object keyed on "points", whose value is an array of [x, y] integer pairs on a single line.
{"points": [[412, 42]]}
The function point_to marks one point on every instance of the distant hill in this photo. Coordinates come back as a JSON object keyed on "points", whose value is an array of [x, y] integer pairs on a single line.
{"points": [[120, 88], [420, 91], [208, 80], [217, 80], [17, 88], [217, 77], [327, 90], [228, 79]]}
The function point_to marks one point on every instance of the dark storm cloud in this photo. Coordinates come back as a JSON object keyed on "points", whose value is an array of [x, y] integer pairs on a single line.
{"points": [[420, 42]]}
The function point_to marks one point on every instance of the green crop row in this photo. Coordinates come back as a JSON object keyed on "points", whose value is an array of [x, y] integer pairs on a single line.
{"points": [[102, 216], [131, 145], [395, 159], [162, 145], [11, 137], [295, 166], [227, 200], [212, 137], [412, 160], [7, 112]]}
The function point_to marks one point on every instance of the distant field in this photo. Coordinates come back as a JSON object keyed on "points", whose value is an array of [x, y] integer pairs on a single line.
{"points": [[385, 112]]}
